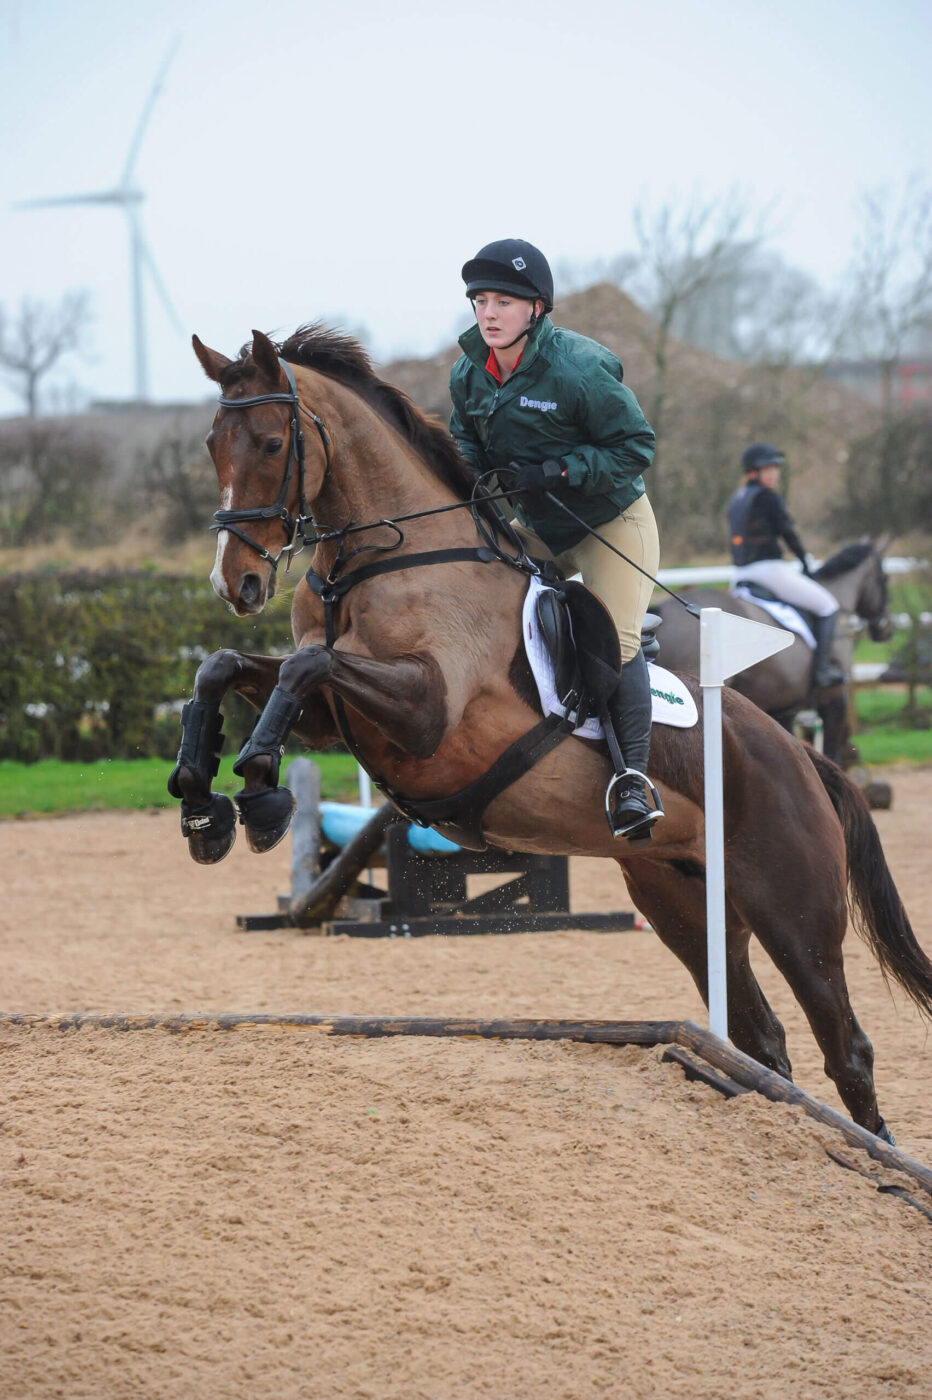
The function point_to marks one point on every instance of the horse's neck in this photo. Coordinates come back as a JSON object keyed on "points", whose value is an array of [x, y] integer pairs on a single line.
{"points": [[374, 474], [847, 587], [372, 482]]}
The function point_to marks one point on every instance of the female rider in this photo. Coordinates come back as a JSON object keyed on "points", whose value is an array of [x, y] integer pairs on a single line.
{"points": [[757, 521], [551, 403]]}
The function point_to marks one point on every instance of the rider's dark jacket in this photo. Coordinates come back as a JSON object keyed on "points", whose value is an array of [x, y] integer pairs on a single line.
{"points": [[564, 401], [757, 521]]}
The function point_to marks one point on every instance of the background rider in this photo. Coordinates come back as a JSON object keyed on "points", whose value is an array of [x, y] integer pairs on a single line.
{"points": [[758, 520]]}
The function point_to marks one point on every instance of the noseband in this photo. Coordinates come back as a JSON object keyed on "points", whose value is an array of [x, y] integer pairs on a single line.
{"points": [[294, 525]]}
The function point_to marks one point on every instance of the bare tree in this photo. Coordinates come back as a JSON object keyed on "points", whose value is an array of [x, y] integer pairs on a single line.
{"points": [[890, 278], [36, 337], [53, 481], [178, 476], [683, 252], [759, 309]]}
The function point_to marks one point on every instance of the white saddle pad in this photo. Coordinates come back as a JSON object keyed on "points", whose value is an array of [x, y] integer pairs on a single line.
{"points": [[782, 613], [671, 702]]}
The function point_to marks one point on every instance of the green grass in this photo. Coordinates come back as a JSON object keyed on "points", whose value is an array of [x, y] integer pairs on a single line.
{"points": [[886, 734], [50, 786], [880, 747]]}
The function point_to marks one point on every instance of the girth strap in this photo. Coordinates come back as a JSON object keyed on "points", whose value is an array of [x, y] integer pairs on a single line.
{"points": [[459, 816]]}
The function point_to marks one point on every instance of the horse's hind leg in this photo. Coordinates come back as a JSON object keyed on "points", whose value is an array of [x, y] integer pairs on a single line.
{"points": [[672, 896], [804, 940]]}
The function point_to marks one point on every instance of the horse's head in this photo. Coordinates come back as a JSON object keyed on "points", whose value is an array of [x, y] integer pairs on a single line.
{"points": [[856, 577], [873, 599], [258, 449]]}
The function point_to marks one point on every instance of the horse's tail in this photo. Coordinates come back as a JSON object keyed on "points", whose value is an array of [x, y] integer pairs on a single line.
{"points": [[876, 908]]}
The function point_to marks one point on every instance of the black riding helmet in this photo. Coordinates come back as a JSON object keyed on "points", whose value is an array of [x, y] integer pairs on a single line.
{"points": [[761, 454], [510, 265]]}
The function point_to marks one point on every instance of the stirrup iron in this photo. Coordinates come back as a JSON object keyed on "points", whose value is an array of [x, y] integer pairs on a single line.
{"points": [[639, 828]]}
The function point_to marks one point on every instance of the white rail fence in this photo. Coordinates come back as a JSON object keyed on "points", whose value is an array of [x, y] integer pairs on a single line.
{"points": [[864, 672]]}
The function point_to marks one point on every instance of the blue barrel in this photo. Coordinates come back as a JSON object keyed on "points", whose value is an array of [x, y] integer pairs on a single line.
{"points": [[341, 821]]}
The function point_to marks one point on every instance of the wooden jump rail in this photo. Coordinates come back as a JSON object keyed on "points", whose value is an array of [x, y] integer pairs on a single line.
{"points": [[732, 1071]]}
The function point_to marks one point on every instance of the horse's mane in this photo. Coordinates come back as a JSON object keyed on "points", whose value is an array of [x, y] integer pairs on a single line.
{"points": [[340, 357], [846, 559]]}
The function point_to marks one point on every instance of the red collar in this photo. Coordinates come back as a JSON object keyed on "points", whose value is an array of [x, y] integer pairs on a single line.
{"points": [[491, 365]]}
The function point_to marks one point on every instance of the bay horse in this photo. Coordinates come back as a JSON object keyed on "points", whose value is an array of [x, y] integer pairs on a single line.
{"points": [[419, 668], [782, 685]]}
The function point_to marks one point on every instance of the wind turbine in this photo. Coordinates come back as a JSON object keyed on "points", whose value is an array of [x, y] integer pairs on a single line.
{"points": [[127, 196]]}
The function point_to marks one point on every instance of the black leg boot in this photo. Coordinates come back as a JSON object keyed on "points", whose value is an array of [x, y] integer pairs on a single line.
{"points": [[627, 808], [267, 811], [824, 671], [210, 826]]}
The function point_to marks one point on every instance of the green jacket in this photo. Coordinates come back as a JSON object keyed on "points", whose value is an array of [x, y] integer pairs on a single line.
{"points": [[565, 401]]}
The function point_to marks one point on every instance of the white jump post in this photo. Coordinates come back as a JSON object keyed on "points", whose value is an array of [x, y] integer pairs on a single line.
{"points": [[727, 645]]}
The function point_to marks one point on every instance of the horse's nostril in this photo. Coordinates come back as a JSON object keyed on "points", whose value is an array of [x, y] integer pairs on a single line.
{"points": [[250, 588]]}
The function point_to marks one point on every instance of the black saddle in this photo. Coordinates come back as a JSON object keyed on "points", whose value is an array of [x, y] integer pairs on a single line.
{"points": [[582, 641]]}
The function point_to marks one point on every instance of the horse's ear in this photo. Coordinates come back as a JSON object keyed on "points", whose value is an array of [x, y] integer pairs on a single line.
{"points": [[212, 361], [265, 357], [884, 542]]}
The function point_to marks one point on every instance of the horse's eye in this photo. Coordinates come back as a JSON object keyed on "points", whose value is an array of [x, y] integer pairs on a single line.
{"points": [[272, 447]]}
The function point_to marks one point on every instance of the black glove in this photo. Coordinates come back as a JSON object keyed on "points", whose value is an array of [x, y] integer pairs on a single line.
{"points": [[542, 476]]}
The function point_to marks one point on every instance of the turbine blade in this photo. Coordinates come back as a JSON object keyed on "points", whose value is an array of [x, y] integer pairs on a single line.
{"points": [[146, 114], [118, 196], [157, 282]]}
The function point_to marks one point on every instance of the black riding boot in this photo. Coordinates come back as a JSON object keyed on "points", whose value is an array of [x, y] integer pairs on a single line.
{"points": [[629, 711], [824, 672]]}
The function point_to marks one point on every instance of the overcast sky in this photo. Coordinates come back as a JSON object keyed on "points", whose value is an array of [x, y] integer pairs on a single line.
{"points": [[310, 159]]}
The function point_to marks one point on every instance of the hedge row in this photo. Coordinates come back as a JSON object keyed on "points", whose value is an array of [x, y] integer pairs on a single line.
{"points": [[94, 665]]}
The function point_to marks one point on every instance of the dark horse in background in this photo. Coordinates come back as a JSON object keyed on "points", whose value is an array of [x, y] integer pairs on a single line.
{"points": [[782, 685], [418, 666]]}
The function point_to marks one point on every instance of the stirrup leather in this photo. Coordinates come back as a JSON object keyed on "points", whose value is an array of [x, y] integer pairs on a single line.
{"points": [[642, 824]]}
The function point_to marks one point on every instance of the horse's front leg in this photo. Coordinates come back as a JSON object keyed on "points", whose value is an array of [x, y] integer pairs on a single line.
{"points": [[208, 820], [405, 699]]}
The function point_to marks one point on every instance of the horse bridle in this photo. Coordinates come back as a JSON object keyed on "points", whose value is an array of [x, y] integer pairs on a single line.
{"points": [[294, 525]]}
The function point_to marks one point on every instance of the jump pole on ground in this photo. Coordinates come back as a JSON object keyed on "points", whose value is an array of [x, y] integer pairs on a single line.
{"points": [[727, 645]]}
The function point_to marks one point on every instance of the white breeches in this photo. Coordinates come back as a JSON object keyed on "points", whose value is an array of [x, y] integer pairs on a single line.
{"points": [[790, 585]]}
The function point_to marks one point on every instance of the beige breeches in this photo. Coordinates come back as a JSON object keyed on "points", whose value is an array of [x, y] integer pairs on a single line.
{"points": [[624, 591]]}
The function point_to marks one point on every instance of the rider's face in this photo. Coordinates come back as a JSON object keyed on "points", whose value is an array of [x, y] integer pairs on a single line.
{"points": [[502, 317], [770, 476]]}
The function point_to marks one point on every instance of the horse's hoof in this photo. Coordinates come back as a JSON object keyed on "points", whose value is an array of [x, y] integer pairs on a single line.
{"points": [[884, 1133], [266, 814], [209, 830]]}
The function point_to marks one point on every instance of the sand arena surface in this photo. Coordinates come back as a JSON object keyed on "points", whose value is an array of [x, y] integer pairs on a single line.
{"points": [[274, 1214]]}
